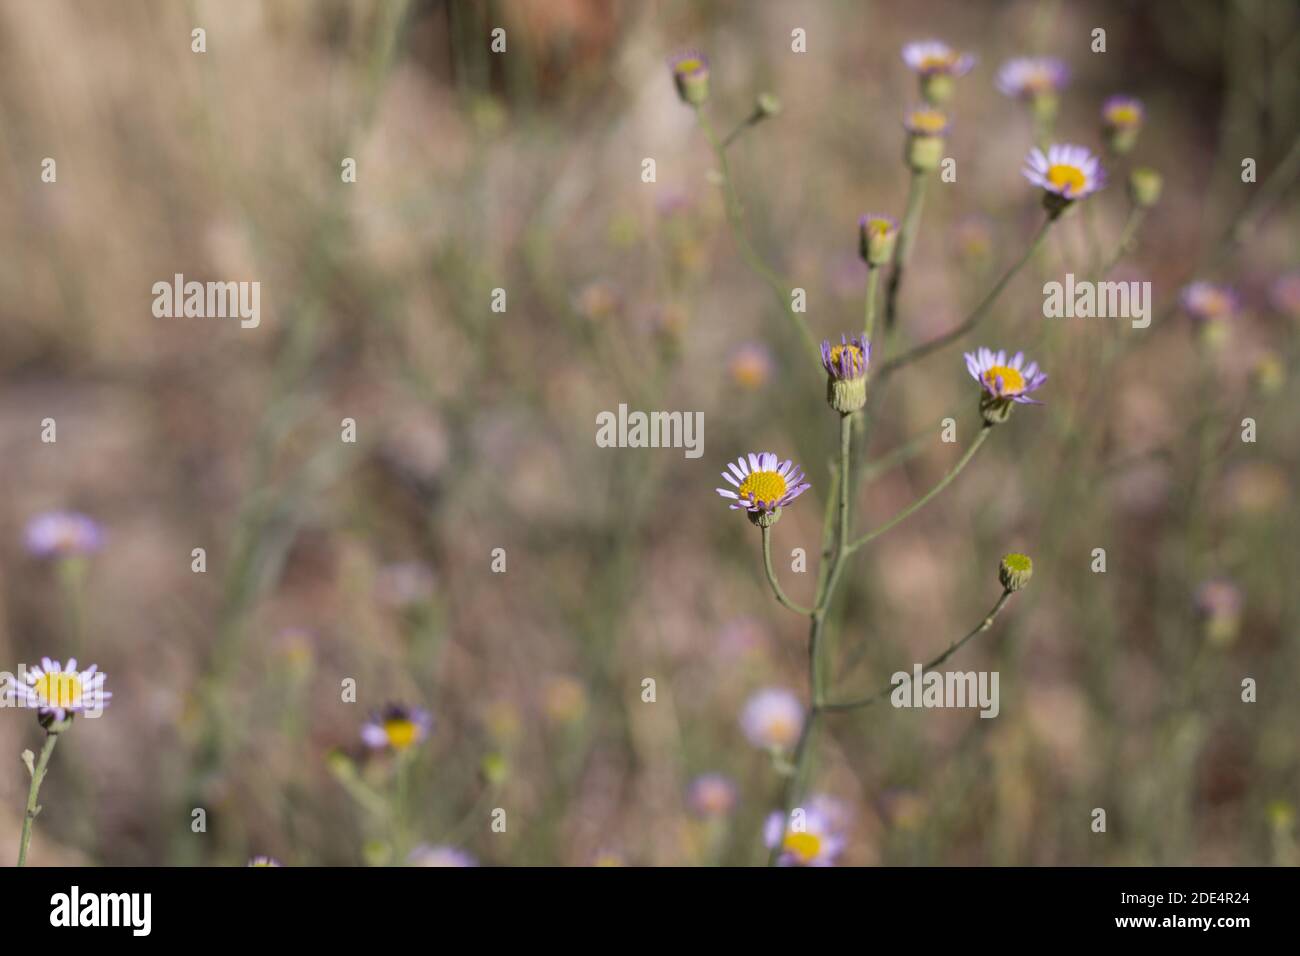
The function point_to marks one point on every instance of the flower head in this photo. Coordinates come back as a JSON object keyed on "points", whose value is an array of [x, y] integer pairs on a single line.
{"points": [[1003, 381], [1015, 571], [763, 485], [1219, 602], [264, 861], [1285, 294], [1144, 186], [396, 728], [426, 855], [810, 837], [1065, 172], [928, 57], [877, 236], [62, 534], [772, 719], [58, 692], [751, 365], [846, 368], [926, 127], [1028, 77], [1205, 301], [712, 795], [691, 75], [1121, 120], [926, 121]]}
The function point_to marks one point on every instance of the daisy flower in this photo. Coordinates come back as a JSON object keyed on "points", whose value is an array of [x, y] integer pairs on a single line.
{"points": [[264, 861], [810, 837], [1121, 119], [1206, 300], [59, 692], [712, 795], [877, 236], [846, 368], [1066, 172], [751, 366], [1003, 381], [928, 57], [1029, 77], [772, 719], [62, 534], [691, 75], [762, 484], [425, 855], [396, 728]]}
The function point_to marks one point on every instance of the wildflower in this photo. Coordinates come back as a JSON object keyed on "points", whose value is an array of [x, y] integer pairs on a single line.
{"points": [[936, 64], [1037, 80], [691, 74], [751, 366], [404, 584], [1211, 306], [1285, 294], [564, 699], [810, 837], [58, 692], [63, 534], [1144, 186], [1121, 119], [1015, 571], [264, 861], [877, 236], [712, 795], [772, 719], [926, 128], [426, 855], [846, 370], [765, 105], [396, 728], [763, 486], [1065, 172], [1269, 373], [1218, 601], [1003, 382]]}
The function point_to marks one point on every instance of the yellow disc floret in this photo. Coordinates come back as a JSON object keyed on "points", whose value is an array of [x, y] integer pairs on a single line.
{"points": [[1068, 179], [62, 689], [1013, 383], [804, 847], [766, 486]]}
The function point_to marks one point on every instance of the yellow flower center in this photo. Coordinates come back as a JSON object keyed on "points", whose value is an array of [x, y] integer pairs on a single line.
{"points": [[938, 61], [1213, 302], [780, 730], [763, 486], [878, 227], [1066, 178], [1013, 383], [1123, 115], [401, 732], [929, 121], [803, 846], [689, 65], [749, 371], [855, 354], [59, 690]]}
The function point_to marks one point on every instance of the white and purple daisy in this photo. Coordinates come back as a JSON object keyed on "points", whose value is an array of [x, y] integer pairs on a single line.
{"points": [[849, 359], [712, 795], [58, 692], [762, 483], [1029, 77], [264, 861], [1005, 379], [1206, 301], [62, 534], [810, 836], [1065, 171], [426, 855], [397, 728], [931, 57], [772, 719]]}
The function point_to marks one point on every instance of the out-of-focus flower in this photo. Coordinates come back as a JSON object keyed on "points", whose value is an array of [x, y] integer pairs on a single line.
{"points": [[564, 699], [599, 300], [264, 861], [1257, 489], [608, 858], [712, 795], [404, 584], [396, 728], [926, 127], [1285, 294], [751, 365], [1003, 381], [772, 719], [1144, 186], [426, 855], [1065, 172], [808, 838], [58, 692], [846, 371], [974, 239], [691, 76], [1121, 119], [63, 534], [936, 64], [1037, 80], [1015, 571], [1219, 602], [1269, 373], [763, 485], [877, 236], [1206, 300]]}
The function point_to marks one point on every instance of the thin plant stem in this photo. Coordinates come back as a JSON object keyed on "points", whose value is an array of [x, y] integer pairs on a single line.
{"points": [[953, 648], [869, 320], [771, 578], [38, 777], [972, 320], [919, 503], [906, 241]]}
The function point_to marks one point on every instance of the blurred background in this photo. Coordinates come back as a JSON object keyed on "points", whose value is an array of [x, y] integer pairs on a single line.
{"points": [[372, 561]]}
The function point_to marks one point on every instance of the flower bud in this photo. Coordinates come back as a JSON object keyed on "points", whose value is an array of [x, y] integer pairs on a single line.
{"points": [[936, 88], [846, 371], [926, 128], [1122, 118], [1144, 186], [1015, 571], [766, 104], [877, 236], [691, 75]]}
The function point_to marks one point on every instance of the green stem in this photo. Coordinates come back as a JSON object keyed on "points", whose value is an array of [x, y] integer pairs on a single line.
{"points": [[906, 241], [953, 648], [771, 577], [919, 503], [924, 349], [869, 323], [841, 552], [38, 776]]}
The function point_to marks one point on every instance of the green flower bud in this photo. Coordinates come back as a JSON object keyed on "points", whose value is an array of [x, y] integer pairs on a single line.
{"points": [[766, 105], [1015, 571], [691, 75], [936, 88], [1144, 186]]}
